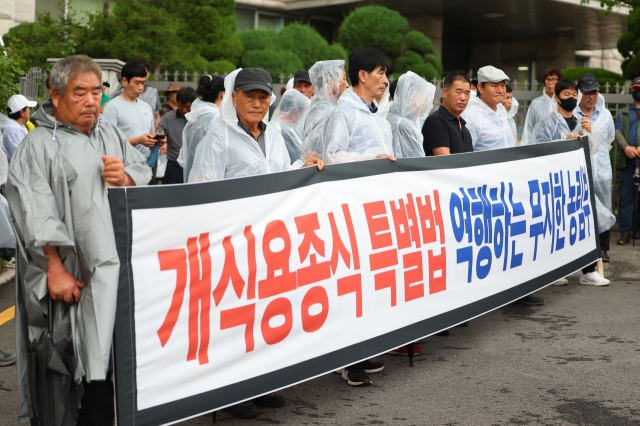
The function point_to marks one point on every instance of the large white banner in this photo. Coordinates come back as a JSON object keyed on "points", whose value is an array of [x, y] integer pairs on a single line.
{"points": [[229, 298]]}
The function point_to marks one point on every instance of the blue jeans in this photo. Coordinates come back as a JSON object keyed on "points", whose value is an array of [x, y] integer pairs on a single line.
{"points": [[625, 208]]}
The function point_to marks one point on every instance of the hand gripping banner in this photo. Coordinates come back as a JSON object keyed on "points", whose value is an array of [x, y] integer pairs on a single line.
{"points": [[233, 289]]}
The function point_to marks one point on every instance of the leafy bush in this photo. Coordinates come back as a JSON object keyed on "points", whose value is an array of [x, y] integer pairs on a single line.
{"points": [[10, 73], [374, 26], [305, 42], [418, 42], [221, 67], [258, 39], [275, 61], [433, 60], [603, 76], [407, 62], [335, 51], [629, 47]]}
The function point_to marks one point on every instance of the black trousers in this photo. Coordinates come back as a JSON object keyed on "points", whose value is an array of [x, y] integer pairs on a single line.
{"points": [[97, 403], [605, 238], [174, 174]]}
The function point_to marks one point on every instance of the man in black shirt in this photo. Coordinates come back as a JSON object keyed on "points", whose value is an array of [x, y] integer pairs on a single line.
{"points": [[444, 131]]}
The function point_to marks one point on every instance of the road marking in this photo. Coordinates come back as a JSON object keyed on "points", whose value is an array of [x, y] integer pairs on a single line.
{"points": [[7, 315]]}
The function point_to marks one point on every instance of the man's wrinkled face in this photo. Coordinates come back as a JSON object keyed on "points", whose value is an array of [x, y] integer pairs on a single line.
{"points": [[375, 82], [80, 104], [457, 97], [492, 93], [185, 108], [507, 101], [589, 99], [251, 106], [305, 88], [550, 83]]}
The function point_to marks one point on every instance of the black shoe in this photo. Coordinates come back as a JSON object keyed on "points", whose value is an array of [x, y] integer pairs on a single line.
{"points": [[356, 378], [245, 410], [443, 333], [530, 300], [7, 359], [371, 367], [605, 257], [269, 401]]}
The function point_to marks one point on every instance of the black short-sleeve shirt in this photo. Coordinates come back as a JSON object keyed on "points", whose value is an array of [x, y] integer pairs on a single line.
{"points": [[441, 130]]}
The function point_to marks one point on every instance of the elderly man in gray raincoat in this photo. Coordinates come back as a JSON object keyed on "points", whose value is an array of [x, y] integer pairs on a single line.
{"points": [[66, 249]]}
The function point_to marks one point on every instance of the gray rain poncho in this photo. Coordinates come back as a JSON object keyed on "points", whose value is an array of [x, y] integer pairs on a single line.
{"points": [[326, 77], [291, 111], [199, 121], [58, 197], [512, 122], [354, 133], [227, 151], [539, 108], [489, 129], [413, 100], [7, 238]]}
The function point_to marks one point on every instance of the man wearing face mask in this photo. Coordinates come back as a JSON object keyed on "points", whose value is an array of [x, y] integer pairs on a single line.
{"points": [[627, 139], [485, 116]]}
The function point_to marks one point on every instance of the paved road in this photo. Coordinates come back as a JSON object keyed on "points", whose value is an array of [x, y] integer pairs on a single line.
{"points": [[573, 361]]}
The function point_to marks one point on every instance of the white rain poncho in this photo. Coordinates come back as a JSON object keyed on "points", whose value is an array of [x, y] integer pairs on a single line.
{"points": [[227, 151], [413, 100], [199, 121], [539, 108], [292, 109], [326, 77], [512, 122], [384, 106], [601, 165], [7, 238], [489, 129], [554, 128], [354, 133]]}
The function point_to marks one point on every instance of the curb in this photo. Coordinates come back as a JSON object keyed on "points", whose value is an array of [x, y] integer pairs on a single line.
{"points": [[7, 275]]}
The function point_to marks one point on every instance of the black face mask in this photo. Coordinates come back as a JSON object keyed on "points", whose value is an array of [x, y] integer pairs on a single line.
{"points": [[568, 104], [636, 95]]}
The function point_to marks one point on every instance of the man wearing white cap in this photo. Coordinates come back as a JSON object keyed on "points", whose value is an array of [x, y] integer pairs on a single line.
{"points": [[486, 118], [19, 111]]}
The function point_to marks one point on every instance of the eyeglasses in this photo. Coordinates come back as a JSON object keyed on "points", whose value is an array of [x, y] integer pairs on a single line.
{"points": [[551, 80]]}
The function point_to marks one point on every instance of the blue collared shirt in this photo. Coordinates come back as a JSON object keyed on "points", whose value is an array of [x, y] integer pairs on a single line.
{"points": [[373, 108]]}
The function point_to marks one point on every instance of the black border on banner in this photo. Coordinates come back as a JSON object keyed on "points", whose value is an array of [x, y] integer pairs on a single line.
{"points": [[124, 200]]}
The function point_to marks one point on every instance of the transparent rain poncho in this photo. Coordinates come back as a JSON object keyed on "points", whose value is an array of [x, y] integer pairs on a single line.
{"points": [[7, 238], [489, 129], [292, 109], [326, 77], [199, 121], [512, 122], [413, 100], [539, 108], [354, 133], [227, 151]]}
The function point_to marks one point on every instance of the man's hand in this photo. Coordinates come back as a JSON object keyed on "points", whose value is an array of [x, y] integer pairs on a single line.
{"points": [[146, 140], [60, 283], [390, 157], [163, 149], [631, 152], [574, 135], [114, 173], [314, 160], [586, 124]]}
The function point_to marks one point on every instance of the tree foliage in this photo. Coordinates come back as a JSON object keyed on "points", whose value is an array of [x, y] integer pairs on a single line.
{"points": [[629, 45], [10, 73], [275, 61], [603, 76]]}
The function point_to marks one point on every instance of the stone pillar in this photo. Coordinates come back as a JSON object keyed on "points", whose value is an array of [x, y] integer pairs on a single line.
{"points": [[110, 71], [14, 12], [431, 26]]}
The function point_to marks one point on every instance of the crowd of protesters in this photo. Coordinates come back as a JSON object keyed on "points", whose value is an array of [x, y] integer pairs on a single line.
{"points": [[228, 128]]}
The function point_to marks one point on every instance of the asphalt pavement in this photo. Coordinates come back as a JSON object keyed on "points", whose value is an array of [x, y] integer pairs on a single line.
{"points": [[573, 361]]}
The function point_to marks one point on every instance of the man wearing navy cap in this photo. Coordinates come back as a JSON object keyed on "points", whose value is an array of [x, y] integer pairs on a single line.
{"points": [[302, 83]]}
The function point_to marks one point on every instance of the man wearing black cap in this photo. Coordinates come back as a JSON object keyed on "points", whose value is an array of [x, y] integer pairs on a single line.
{"points": [[302, 83], [628, 155], [242, 144]]}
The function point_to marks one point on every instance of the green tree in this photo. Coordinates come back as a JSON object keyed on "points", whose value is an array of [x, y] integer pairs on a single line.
{"points": [[275, 61], [10, 73], [305, 42]]}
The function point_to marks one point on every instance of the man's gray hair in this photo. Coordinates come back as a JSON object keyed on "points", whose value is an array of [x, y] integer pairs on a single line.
{"points": [[70, 66]]}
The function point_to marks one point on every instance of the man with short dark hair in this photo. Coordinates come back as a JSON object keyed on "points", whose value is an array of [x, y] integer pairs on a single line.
{"points": [[302, 83], [149, 94], [511, 105], [541, 106], [444, 131], [66, 246], [172, 124]]}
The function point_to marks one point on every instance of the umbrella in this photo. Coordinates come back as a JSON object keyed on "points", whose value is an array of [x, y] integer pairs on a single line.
{"points": [[55, 397]]}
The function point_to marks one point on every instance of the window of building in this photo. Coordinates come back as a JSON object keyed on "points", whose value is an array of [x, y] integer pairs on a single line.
{"points": [[246, 20], [270, 22]]}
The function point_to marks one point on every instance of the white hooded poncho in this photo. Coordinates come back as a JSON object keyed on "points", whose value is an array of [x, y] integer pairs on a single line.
{"points": [[539, 108], [413, 100], [354, 133], [326, 77], [292, 110], [199, 121], [512, 122], [228, 152], [489, 129]]}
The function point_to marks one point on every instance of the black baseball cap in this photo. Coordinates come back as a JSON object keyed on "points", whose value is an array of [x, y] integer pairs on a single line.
{"points": [[588, 82], [253, 78], [301, 75], [105, 84]]}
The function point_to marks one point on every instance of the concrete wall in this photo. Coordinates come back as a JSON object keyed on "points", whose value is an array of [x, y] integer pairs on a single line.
{"points": [[13, 12], [431, 26]]}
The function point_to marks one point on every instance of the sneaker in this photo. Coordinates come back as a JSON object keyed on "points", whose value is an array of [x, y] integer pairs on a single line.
{"points": [[417, 350], [7, 359], [530, 300], [371, 367], [356, 378], [244, 410], [605, 257], [11, 263], [594, 278], [561, 281], [269, 401], [625, 238]]}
